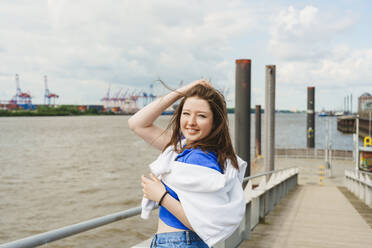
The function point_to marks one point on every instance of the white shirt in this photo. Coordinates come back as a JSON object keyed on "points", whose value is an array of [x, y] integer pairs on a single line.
{"points": [[214, 203]]}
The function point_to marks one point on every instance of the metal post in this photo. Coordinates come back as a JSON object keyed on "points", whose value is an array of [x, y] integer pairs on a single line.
{"points": [[351, 103], [269, 118], [326, 150], [258, 130], [243, 111], [310, 117], [357, 143], [369, 125], [344, 104], [330, 149], [247, 230]]}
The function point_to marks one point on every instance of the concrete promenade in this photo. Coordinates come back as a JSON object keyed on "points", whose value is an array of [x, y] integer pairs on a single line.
{"points": [[312, 215]]}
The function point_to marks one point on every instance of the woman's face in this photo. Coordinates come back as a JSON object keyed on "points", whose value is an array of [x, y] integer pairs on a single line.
{"points": [[196, 119]]}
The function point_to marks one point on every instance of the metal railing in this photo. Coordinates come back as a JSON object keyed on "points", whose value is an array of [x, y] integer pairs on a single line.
{"points": [[312, 153], [360, 184], [260, 201], [64, 232]]}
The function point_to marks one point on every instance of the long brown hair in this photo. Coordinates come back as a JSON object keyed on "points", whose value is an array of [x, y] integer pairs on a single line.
{"points": [[218, 140]]}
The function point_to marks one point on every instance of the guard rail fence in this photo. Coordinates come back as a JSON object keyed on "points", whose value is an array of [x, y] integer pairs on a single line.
{"points": [[360, 184]]}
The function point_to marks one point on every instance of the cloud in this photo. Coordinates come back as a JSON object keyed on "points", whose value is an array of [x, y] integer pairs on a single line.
{"points": [[343, 67], [305, 34], [309, 52]]}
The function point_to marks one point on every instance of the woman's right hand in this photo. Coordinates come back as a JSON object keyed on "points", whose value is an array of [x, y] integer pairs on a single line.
{"points": [[187, 87]]}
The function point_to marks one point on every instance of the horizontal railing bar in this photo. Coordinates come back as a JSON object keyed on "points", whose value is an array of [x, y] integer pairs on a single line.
{"points": [[50, 236], [246, 179], [363, 172], [43, 238], [367, 173]]}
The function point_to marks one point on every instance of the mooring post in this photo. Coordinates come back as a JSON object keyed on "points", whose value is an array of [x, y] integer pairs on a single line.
{"points": [[269, 151], [243, 111], [258, 130], [310, 117], [357, 143], [345, 105], [351, 103]]}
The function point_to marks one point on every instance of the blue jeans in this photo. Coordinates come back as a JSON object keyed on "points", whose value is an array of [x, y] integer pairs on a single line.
{"points": [[183, 239]]}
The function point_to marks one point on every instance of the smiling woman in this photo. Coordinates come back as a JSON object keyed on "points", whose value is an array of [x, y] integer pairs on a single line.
{"points": [[196, 172]]}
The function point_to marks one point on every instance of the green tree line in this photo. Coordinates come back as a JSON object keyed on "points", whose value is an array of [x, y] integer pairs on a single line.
{"points": [[62, 110]]}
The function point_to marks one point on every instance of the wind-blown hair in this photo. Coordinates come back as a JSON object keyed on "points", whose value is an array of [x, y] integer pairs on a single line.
{"points": [[218, 140]]}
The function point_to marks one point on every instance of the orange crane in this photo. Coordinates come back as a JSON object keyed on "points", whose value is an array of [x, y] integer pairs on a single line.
{"points": [[47, 94]]}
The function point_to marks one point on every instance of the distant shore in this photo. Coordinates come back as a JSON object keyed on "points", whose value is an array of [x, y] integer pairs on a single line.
{"points": [[62, 110], [73, 110]]}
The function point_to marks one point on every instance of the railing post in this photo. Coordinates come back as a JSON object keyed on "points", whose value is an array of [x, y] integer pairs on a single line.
{"points": [[246, 234], [368, 192], [262, 211]]}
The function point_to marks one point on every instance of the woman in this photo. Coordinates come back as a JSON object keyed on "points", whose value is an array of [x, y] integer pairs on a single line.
{"points": [[200, 194]]}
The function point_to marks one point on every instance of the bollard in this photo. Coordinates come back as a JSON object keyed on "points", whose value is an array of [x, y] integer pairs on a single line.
{"points": [[243, 111], [269, 145], [351, 103], [357, 156], [310, 117], [269, 151], [258, 130], [321, 174]]}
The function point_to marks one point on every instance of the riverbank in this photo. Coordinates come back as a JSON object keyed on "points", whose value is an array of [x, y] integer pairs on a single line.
{"points": [[62, 110]]}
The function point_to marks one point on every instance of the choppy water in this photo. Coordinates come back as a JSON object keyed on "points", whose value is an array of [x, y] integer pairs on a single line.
{"points": [[57, 171]]}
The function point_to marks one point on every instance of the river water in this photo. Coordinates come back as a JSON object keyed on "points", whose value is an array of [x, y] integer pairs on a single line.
{"points": [[57, 171]]}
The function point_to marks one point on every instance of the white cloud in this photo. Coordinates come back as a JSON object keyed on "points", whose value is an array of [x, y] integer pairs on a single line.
{"points": [[306, 45], [343, 67], [305, 34]]}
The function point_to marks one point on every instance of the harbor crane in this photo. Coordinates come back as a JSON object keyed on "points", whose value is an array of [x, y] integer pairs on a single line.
{"points": [[127, 101], [48, 95], [20, 98]]}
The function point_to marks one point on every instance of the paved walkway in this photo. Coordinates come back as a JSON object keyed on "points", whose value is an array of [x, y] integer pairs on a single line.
{"points": [[312, 216]]}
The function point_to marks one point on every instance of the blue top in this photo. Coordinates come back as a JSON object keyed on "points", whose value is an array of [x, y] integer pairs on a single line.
{"points": [[190, 156]]}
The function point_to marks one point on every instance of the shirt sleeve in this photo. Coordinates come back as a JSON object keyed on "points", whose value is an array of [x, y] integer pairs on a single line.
{"points": [[206, 159]]}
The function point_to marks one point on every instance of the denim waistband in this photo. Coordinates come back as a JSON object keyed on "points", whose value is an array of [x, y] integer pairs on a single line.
{"points": [[172, 237]]}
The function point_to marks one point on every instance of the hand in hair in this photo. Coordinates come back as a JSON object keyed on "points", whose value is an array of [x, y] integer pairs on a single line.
{"points": [[187, 87]]}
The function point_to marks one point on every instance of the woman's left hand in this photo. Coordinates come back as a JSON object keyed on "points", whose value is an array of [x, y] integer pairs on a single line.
{"points": [[152, 187]]}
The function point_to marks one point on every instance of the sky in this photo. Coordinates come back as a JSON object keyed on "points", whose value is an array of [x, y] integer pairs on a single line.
{"points": [[85, 47]]}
